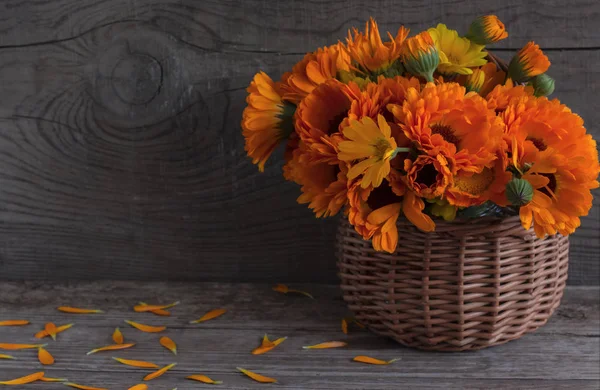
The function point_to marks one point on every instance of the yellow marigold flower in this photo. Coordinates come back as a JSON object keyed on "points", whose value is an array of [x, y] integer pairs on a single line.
{"points": [[370, 52], [420, 55], [474, 82], [373, 144], [267, 120], [529, 62], [487, 29], [457, 54]]}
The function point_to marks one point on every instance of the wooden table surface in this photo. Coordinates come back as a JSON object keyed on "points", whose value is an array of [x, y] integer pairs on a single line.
{"points": [[565, 354]]}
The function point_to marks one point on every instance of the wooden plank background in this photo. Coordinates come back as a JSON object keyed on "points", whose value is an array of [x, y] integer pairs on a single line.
{"points": [[120, 147]]}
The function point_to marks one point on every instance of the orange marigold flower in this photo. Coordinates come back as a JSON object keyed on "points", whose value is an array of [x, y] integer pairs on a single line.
{"points": [[371, 146], [318, 119], [549, 144], [442, 119], [370, 52], [530, 61], [267, 120], [428, 176], [487, 29], [324, 185], [420, 55], [500, 95], [314, 69]]}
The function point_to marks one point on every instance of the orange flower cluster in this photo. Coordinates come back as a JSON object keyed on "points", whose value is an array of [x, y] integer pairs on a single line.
{"points": [[425, 127]]}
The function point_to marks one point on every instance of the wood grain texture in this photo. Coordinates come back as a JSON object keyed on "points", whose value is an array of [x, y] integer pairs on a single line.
{"points": [[120, 147], [563, 354]]}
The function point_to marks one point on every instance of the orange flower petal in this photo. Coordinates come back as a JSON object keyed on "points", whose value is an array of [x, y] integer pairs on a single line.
{"points": [[136, 363], [82, 387], [370, 360], [45, 357], [210, 315], [160, 372], [267, 345], [141, 386], [146, 328], [257, 377], [14, 347], [111, 348], [203, 379], [14, 322], [47, 379], [344, 326], [282, 288], [50, 328], [161, 312], [168, 344], [2, 356], [24, 380], [76, 310], [329, 344], [142, 307], [117, 336], [41, 334]]}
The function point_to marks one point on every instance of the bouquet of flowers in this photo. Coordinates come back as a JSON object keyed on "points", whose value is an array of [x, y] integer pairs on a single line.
{"points": [[425, 127]]}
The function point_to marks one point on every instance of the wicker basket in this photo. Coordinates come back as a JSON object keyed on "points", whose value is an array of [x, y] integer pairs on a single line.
{"points": [[469, 285]]}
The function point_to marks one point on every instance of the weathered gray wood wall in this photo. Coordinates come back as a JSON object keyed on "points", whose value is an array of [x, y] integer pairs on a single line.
{"points": [[120, 152]]}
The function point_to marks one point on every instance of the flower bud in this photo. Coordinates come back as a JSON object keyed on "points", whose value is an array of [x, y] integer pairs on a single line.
{"points": [[486, 29], [543, 85], [529, 62], [519, 192], [420, 56]]}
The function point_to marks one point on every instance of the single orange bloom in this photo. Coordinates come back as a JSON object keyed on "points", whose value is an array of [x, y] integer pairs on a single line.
{"points": [[267, 120], [370, 52], [530, 61], [314, 69], [499, 97], [318, 119], [442, 119], [324, 185], [369, 149], [428, 176]]}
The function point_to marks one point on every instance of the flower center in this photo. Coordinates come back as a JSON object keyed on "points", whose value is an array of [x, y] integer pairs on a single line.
{"points": [[538, 143], [382, 148], [446, 132], [334, 123], [427, 175], [477, 183], [382, 196]]}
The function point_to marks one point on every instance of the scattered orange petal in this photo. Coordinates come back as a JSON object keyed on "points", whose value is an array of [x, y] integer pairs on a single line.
{"points": [[329, 344], [143, 307], [111, 348], [118, 336], [14, 322], [141, 386], [282, 288], [50, 328], [76, 310], [14, 347], [46, 379], [146, 328], [136, 363], [203, 379], [257, 377], [42, 333], [6, 356], [45, 357], [359, 324], [160, 372], [267, 345], [82, 387], [344, 326], [164, 313], [24, 380], [370, 360], [210, 315], [169, 344]]}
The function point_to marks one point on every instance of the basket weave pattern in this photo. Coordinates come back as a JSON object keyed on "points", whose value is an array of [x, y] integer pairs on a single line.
{"points": [[469, 285]]}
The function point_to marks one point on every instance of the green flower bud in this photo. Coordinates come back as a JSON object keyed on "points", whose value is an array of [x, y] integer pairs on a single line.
{"points": [[519, 192], [543, 85]]}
